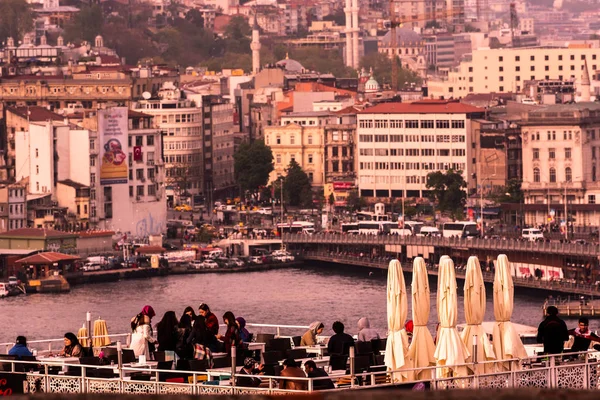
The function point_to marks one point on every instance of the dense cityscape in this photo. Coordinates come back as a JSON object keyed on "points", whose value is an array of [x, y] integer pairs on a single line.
{"points": [[177, 139]]}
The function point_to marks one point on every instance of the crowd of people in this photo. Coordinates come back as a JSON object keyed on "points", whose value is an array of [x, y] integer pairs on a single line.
{"points": [[553, 333]]}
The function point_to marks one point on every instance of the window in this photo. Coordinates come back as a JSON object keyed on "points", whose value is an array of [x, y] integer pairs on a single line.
{"points": [[501, 88], [546, 68], [568, 153], [593, 173], [517, 68], [411, 124], [92, 179], [139, 174], [501, 69], [310, 158], [37, 169], [536, 175], [532, 58], [150, 140], [92, 144], [568, 174], [500, 58], [130, 191], [517, 58], [278, 159], [139, 140], [546, 58], [532, 68], [591, 199], [552, 175], [427, 124], [151, 190], [310, 139], [572, 57], [458, 124], [560, 58], [292, 139], [140, 190], [278, 140], [37, 153], [551, 154], [517, 78]]}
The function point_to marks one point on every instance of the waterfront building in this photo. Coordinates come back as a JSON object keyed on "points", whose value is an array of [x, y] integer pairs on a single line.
{"points": [[300, 138], [400, 143], [506, 70], [181, 122], [35, 239], [561, 148]]}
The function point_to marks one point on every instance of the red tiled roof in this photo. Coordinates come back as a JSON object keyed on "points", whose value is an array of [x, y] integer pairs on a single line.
{"points": [[137, 114], [88, 234], [46, 258], [36, 113], [348, 110], [36, 233], [423, 107], [150, 250]]}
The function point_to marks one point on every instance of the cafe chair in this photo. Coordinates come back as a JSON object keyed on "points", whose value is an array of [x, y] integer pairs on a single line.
{"points": [[297, 353]]}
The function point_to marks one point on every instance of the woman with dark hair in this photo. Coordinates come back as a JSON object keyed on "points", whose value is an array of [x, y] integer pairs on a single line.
{"points": [[141, 338], [184, 330], [212, 322], [72, 347], [189, 311], [232, 334], [201, 341], [166, 331]]}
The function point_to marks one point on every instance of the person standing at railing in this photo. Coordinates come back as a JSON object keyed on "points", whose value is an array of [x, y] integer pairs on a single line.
{"points": [[20, 348], [141, 338], [553, 332], [583, 337]]}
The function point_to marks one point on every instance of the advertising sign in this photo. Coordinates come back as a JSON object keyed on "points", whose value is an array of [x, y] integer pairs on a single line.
{"points": [[112, 131]]}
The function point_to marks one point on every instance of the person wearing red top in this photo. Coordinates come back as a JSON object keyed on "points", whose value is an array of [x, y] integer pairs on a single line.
{"points": [[212, 322], [232, 334]]}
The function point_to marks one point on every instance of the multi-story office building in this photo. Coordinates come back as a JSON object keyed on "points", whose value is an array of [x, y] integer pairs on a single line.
{"points": [[399, 144], [506, 70], [561, 149], [180, 121]]}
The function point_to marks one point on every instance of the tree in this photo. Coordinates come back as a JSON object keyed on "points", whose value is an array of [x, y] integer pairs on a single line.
{"points": [[237, 35], [296, 187], [354, 202], [448, 190], [511, 193], [382, 70], [339, 17], [180, 178], [16, 19], [323, 61], [253, 162], [86, 24]]}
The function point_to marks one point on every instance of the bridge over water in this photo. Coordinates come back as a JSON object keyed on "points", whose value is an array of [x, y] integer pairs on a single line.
{"points": [[578, 262]]}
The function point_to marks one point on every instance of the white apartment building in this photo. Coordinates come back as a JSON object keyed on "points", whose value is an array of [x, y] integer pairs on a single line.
{"points": [[181, 122], [506, 70], [561, 153], [400, 143]]}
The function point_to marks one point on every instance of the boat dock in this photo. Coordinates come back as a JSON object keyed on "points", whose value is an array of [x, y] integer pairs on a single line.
{"points": [[578, 306]]}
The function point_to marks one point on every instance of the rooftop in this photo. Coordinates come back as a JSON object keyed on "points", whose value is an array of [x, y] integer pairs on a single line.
{"points": [[423, 107], [73, 184], [49, 257], [36, 113], [36, 233], [98, 233]]}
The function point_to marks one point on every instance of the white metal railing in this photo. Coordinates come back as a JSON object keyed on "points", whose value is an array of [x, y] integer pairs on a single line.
{"points": [[574, 371]]}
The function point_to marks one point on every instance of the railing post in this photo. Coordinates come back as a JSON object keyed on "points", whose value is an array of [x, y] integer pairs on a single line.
{"points": [[194, 383], [82, 388], [552, 380], [352, 372], [46, 380], [233, 363], [310, 385], [586, 372]]}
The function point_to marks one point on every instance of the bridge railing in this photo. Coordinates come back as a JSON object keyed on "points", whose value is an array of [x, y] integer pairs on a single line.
{"points": [[488, 276], [588, 249]]}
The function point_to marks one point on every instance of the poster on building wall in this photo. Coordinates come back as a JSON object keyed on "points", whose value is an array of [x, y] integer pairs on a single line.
{"points": [[112, 131]]}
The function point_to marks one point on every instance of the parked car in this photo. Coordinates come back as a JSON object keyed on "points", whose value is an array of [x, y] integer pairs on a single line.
{"points": [[209, 264], [257, 260], [237, 262], [12, 280], [92, 267]]}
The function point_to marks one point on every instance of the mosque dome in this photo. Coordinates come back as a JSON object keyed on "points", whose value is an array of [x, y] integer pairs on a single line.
{"points": [[290, 65], [372, 86]]}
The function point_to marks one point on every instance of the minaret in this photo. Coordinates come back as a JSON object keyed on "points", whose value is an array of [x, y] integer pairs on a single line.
{"points": [[585, 84], [348, 31], [355, 30], [255, 46]]}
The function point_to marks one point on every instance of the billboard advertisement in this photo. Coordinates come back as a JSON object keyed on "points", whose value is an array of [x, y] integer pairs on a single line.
{"points": [[112, 132]]}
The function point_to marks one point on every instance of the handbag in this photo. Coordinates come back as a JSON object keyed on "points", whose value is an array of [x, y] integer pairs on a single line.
{"points": [[202, 352]]}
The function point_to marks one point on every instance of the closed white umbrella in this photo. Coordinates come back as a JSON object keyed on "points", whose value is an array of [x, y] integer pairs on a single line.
{"points": [[474, 314], [421, 349], [450, 349], [507, 343], [397, 310]]}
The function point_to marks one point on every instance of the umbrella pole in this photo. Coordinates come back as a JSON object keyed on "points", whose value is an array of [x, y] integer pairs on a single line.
{"points": [[475, 354], [120, 359], [88, 317]]}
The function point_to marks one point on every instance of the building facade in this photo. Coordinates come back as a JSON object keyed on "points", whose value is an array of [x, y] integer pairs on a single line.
{"points": [[399, 144], [180, 121], [561, 148], [506, 70]]}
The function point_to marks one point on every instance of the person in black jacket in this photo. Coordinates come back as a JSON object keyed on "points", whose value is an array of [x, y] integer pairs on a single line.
{"points": [[553, 332], [245, 377], [166, 331], [341, 342], [312, 371]]}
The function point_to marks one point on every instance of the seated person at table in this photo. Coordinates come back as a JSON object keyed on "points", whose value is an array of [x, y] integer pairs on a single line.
{"points": [[340, 342], [312, 371], [245, 377], [310, 336], [583, 337], [241, 323], [291, 369], [365, 332], [72, 347], [20, 348]]}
